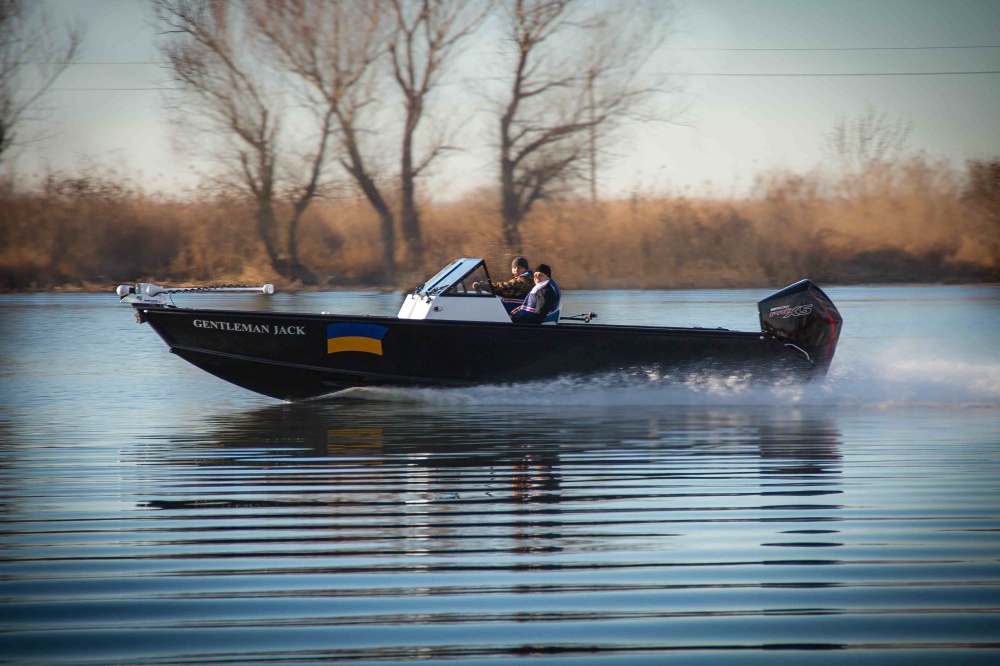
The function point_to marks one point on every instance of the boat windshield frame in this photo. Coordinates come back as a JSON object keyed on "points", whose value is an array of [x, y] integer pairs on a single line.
{"points": [[451, 275]]}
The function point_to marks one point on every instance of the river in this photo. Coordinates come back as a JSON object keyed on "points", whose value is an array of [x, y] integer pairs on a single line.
{"points": [[153, 514]]}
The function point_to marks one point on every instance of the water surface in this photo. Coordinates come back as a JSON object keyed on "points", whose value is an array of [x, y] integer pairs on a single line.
{"points": [[152, 514]]}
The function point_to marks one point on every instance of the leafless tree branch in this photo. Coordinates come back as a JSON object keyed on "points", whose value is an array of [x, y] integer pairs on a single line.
{"points": [[333, 49], [215, 56], [427, 34], [869, 138], [578, 71], [28, 46]]}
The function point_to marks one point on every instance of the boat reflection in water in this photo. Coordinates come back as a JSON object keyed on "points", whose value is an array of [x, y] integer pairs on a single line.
{"points": [[380, 530], [395, 479]]}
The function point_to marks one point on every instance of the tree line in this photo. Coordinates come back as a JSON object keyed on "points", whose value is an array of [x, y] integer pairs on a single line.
{"points": [[293, 105], [292, 100], [917, 219]]}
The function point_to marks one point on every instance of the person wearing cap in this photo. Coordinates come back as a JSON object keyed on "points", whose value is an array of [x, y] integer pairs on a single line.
{"points": [[517, 286], [542, 300]]}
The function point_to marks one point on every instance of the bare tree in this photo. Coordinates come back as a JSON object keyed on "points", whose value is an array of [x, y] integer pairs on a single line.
{"points": [[215, 56], [868, 139], [28, 45], [578, 73], [427, 34], [333, 48]]}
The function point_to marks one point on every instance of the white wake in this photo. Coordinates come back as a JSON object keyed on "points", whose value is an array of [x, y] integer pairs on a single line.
{"points": [[872, 383]]}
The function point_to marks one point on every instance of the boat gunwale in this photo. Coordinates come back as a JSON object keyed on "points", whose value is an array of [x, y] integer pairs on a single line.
{"points": [[575, 326]]}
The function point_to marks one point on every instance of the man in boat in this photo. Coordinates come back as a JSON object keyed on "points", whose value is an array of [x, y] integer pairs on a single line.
{"points": [[540, 301], [518, 286]]}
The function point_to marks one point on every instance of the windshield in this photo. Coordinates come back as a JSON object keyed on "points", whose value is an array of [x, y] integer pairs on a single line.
{"points": [[476, 283], [456, 278], [440, 279]]}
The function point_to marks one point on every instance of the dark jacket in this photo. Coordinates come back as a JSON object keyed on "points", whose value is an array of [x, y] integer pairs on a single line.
{"points": [[540, 301], [517, 287]]}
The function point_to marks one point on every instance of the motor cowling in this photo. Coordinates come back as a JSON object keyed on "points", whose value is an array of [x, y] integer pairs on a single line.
{"points": [[804, 317]]}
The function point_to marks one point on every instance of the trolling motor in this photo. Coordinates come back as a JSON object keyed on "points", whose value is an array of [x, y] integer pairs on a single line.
{"points": [[145, 293], [803, 318]]}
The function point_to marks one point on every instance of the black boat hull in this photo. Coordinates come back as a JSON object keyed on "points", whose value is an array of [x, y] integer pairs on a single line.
{"points": [[299, 356]]}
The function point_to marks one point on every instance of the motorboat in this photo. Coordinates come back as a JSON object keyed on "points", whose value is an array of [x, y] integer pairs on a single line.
{"points": [[449, 333]]}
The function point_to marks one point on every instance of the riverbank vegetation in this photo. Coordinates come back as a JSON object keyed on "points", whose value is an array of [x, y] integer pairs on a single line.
{"points": [[914, 220], [314, 126]]}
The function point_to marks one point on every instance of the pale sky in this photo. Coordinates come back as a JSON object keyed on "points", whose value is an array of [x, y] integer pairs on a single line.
{"points": [[742, 118]]}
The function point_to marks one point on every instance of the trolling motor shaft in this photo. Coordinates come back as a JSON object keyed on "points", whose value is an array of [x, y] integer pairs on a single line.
{"points": [[146, 293]]}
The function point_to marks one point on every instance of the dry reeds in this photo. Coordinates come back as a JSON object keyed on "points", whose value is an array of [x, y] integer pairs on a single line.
{"points": [[913, 221]]}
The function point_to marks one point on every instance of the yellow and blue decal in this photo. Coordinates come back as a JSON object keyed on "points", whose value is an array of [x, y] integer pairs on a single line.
{"points": [[354, 337]]}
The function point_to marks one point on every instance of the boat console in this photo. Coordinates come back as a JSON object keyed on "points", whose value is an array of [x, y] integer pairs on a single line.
{"points": [[450, 296]]}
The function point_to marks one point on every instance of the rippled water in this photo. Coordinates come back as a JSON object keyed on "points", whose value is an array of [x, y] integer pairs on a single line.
{"points": [[152, 514]]}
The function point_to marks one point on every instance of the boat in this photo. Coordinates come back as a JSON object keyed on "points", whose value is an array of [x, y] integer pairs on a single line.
{"points": [[448, 333]]}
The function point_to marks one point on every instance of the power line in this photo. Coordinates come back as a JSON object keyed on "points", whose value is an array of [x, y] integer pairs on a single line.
{"points": [[704, 74], [835, 48], [110, 89], [734, 74], [674, 48], [136, 62]]}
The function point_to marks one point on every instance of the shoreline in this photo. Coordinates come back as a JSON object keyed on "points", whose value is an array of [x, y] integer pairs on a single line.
{"points": [[93, 288]]}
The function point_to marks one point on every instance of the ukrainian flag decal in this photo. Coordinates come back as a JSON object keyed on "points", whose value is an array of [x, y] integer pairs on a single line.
{"points": [[354, 337]]}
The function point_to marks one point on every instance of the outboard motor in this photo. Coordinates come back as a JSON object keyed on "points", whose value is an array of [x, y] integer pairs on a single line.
{"points": [[804, 318]]}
